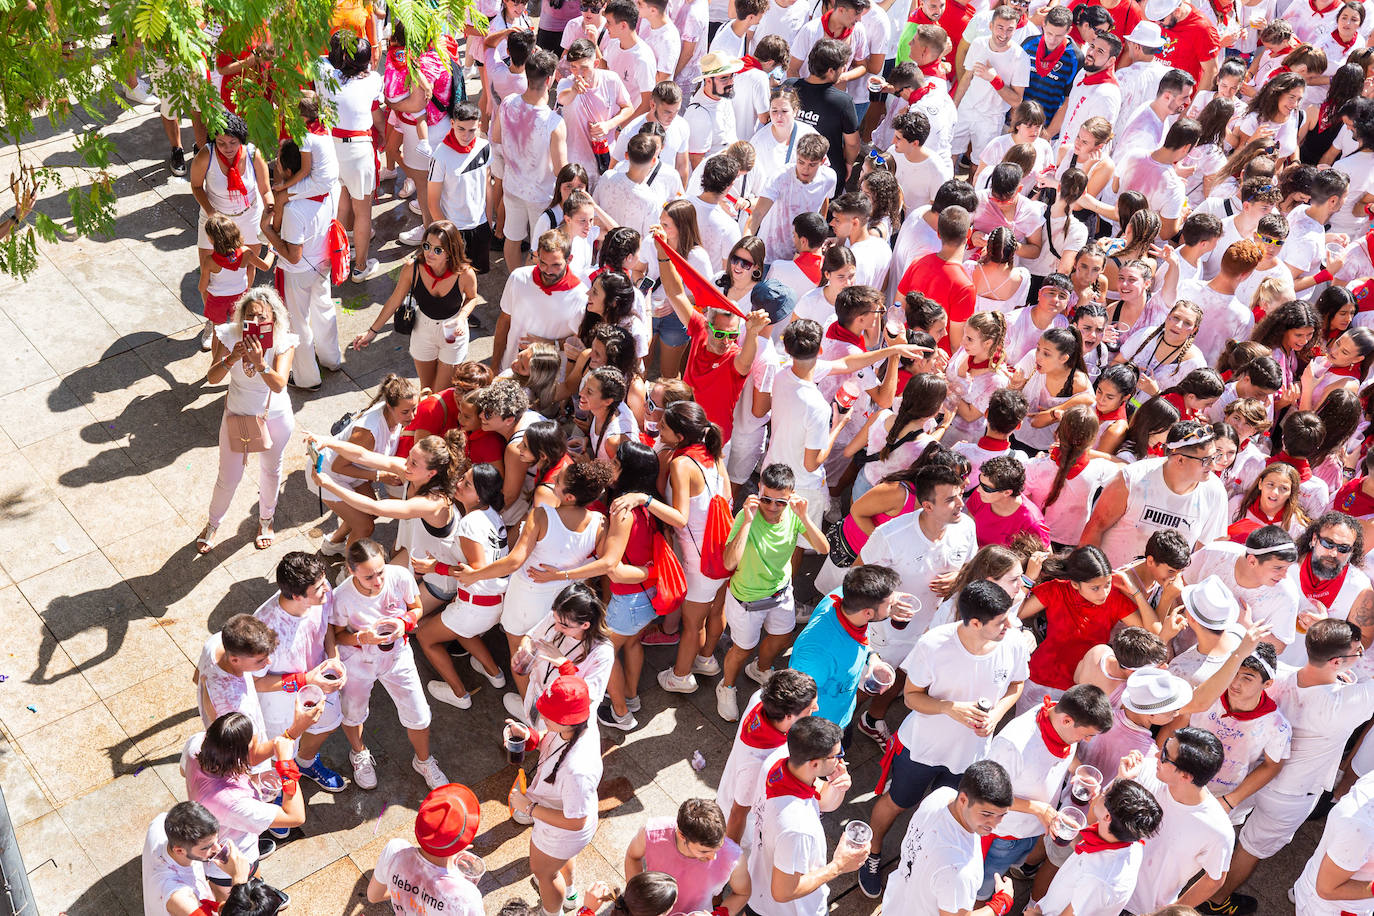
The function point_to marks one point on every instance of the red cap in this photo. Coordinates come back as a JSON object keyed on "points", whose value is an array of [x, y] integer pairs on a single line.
{"points": [[566, 701], [448, 820]]}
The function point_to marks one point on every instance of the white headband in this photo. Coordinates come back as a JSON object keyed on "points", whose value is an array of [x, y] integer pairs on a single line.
{"points": [[1261, 551], [1263, 664], [1201, 437]]}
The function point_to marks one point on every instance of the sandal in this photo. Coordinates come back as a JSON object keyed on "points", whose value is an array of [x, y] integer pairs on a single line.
{"points": [[207, 539], [265, 534]]}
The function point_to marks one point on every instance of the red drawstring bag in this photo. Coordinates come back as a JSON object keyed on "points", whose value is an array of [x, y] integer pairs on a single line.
{"points": [[719, 521], [668, 578], [340, 258]]}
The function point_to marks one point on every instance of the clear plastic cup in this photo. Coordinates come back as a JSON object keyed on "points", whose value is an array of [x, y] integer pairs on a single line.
{"points": [[904, 608], [388, 629], [470, 866], [452, 329], [515, 737], [267, 785], [1085, 784], [522, 661], [858, 834], [1067, 825], [310, 696], [875, 84], [878, 676], [333, 671]]}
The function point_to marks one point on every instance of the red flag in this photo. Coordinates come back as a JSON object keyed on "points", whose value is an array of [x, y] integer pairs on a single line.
{"points": [[703, 293]]}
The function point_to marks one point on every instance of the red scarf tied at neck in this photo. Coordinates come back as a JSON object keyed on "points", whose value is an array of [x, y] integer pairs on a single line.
{"points": [[858, 634], [825, 28], [1076, 468], [561, 285], [1090, 840], [232, 261], [1105, 418], [1057, 745], [1345, 45], [440, 278], [232, 177], [1264, 708], [781, 782], [698, 453], [751, 63], [989, 444], [1105, 75], [837, 331], [757, 732], [452, 143], [1303, 467], [1223, 9], [809, 263], [1318, 589], [1045, 60]]}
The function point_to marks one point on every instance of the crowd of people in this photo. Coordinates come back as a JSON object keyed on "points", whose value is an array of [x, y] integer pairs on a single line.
{"points": [[1007, 363]]}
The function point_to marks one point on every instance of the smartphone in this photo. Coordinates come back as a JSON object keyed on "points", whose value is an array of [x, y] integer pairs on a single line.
{"points": [[316, 459], [260, 330]]}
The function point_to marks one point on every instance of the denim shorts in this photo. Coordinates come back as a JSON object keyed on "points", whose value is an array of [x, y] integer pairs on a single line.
{"points": [[626, 615], [669, 330]]}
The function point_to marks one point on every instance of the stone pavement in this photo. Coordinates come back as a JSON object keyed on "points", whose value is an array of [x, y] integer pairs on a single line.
{"points": [[107, 460]]}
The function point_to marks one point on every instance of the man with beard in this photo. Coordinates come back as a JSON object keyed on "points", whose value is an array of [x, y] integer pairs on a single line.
{"points": [[1330, 583], [828, 109], [544, 300], [711, 124], [175, 849], [1095, 91]]}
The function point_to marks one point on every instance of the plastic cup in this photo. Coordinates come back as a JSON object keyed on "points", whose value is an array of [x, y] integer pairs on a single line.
{"points": [[268, 786], [858, 834], [522, 661], [878, 677], [904, 610], [387, 629], [451, 330], [984, 704], [310, 696], [1086, 782], [515, 735], [470, 866], [333, 671], [1067, 825], [875, 84]]}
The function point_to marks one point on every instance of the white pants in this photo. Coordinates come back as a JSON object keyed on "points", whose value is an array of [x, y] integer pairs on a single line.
{"points": [[975, 133], [316, 324], [366, 665], [279, 709], [232, 464]]}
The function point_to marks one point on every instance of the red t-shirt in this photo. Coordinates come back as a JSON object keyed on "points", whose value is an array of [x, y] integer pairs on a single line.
{"points": [[435, 415], [715, 383], [639, 551], [954, 20], [945, 282], [1351, 500], [1075, 626], [1191, 43], [486, 447], [1125, 15]]}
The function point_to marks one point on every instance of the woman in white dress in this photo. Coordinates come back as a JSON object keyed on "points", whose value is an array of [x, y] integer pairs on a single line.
{"points": [[1164, 354], [1053, 378], [974, 373]]}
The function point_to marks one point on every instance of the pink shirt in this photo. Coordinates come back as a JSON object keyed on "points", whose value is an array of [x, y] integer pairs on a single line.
{"points": [[603, 102], [697, 881], [232, 801], [997, 529]]}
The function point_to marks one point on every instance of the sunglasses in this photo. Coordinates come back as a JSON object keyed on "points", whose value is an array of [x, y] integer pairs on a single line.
{"points": [[985, 488], [1358, 654], [718, 334], [1329, 544], [651, 404], [1205, 460], [876, 157], [773, 501], [437, 249], [741, 263], [1267, 239]]}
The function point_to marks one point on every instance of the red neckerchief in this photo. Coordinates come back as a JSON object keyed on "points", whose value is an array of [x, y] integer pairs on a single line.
{"points": [[825, 28], [1350, 371], [1263, 708], [1318, 10], [1304, 468], [977, 364], [1074, 469], [549, 475], [1345, 46], [1156, 450], [1320, 589], [1176, 399], [452, 143], [698, 453], [1223, 9], [989, 444], [858, 634], [928, 70], [229, 261], [562, 285], [1046, 62], [781, 782], [837, 331], [915, 95], [1090, 840], [1259, 515], [1105, 75], [316, 128], [751, 63], [233, 180], [809, 263], [1118, 414], [758, 732], [440, 278], [1056, 745]]}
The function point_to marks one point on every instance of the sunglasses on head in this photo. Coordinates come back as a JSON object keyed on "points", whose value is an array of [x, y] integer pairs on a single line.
{"points": [[1332, 545], [876, 157], [718, 334]]}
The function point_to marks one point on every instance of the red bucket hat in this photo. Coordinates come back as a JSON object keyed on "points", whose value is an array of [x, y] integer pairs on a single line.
{"points": [[447, 820], [566, 701]]}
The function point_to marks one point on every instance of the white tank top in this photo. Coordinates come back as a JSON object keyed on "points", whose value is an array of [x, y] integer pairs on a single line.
{"points": [[226, 282], [690, 538], [232, 203], [561, 547], [384, 437]]}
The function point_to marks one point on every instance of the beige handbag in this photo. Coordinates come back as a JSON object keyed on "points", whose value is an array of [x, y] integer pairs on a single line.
{"points": [[248, 433]]}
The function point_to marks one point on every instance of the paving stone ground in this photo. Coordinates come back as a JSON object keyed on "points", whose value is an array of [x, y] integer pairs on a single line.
{"points": [[107, 460]]}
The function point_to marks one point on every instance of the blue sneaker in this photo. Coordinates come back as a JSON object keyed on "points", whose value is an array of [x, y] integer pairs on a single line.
{"points": [[323, 776], [279, 833]]}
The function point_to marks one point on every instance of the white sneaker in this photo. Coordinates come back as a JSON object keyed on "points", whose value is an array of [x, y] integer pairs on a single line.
{"points": [[408, 188], [429, 769], [415, 207], [442, 692], [727, 702], [140, 93], [498, 680], [707, 665], [412, 237], [515, 706], [366, 272], [364, 769], [755, 675], [207, 336], [674, 684], [333, 548], [386, 174]]}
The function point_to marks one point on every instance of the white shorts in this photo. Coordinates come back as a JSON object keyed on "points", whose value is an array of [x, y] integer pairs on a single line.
{"points": [[816, 503], [366, 665], [468, 620], [427, 341], [1274, 819], [526, 604], [521, 217], [357, 166], [413, 155], [700, 588], [743, 453], [558, 843], [279, 709], [747, 627], [247, 221], [976, 133]]}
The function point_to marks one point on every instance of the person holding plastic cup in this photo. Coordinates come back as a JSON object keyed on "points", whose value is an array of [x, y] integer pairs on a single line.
{"points": [[696, 852], [176, 849], [561, 801], [433, 872], [962, 679], [375, 609], [305, 655]]}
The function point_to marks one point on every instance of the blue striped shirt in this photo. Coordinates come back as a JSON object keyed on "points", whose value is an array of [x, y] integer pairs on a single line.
{"points": [[1050, 91]]}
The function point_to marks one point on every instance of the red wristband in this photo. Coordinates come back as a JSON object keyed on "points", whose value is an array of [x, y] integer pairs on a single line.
{"points": [[721, 910], [585, 911], [997, 83], [290, 683], [206, 908], [287, 769], [288, 788], [1321, 276], [443, 569], [410, 619], [1001, 903], [567, 668]]}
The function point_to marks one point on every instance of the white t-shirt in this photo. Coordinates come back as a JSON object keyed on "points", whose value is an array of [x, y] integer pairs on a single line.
{"points": [[664, 43], [872, 256], [942, 863], [1199, 515], [1247, 743], [1084, 102], [674, 140], [417, 887], [1223, 317], [1348, 841], [719, 231], [1036, 773], [948, 671], [1158, 182], [790, 199], [305, 222], [1274, 605], [1191, 838], [526, 137], [788, 836], [902, 545], [486, 528], [980, 100], [1094, 884], [353, 99], [784, 21], [220, 692], [1323, 717], [463, 194], [711, 124], [812, 304], [920, 180], [533, 312], [356, 611], [165, 878], [740, 778], [1305, 248], [300, 640], [1143, 133], [772, 157], [635, 66], [801, 421], [630, 203]]}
